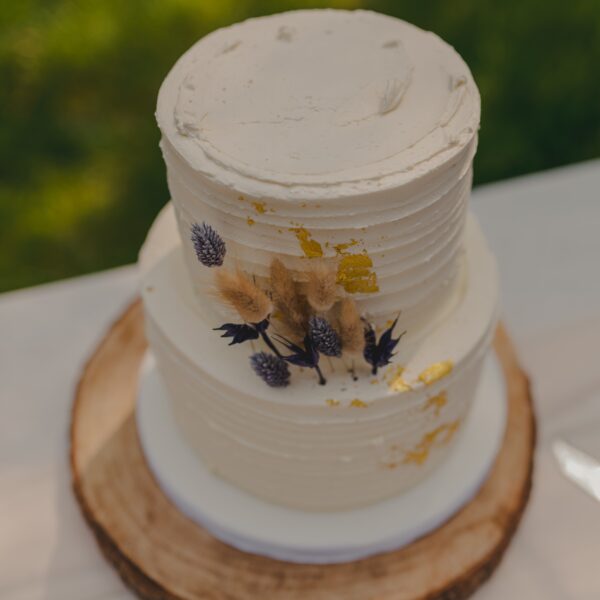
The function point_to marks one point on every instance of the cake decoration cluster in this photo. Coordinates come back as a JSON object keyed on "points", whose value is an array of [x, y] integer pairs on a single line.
{"points": [[313, 318]]}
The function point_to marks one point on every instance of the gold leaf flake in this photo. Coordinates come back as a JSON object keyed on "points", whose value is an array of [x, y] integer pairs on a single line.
{"points": [[436, 402], [310, 247], [355, 274], [398, 384], [260, 207], [433, 439], [332, 402], [340, 249], [436, 371], [357, 403], [395, 381]]}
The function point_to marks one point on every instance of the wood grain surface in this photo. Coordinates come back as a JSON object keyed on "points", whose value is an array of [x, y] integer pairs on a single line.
{"points": [[160, 554]]}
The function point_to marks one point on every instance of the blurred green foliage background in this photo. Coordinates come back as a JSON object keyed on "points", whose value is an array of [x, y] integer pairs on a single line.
{"points": [[81, 176]]}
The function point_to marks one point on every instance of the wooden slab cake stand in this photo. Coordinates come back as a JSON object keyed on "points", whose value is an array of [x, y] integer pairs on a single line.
{"points": [[160, 554]]}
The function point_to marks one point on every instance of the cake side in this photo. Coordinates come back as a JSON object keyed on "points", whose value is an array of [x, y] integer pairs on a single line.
{"points": [[320, 447], [327, 136]]}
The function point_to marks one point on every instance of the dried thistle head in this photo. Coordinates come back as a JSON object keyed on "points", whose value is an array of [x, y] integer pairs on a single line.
{"points": [[324, 336], [208, 244], [350, 327], [321, 289], [240, 293], [290, 304]]}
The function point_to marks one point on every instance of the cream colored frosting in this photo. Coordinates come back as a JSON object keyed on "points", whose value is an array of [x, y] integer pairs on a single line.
{"points": [[332, 136], [327, 133], [328, 447]]}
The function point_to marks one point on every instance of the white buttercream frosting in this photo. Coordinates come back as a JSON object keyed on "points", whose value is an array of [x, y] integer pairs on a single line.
{"points": [[332, 136], [319, 447], [327, 133]]}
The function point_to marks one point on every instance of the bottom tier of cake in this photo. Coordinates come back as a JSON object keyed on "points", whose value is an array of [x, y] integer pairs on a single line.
{"points": [[252, 525], [345, 444]]}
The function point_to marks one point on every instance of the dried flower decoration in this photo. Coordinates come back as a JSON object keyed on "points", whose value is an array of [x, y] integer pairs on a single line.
{"points": [[239, 333], [290, 304], [379, 353], [350, 327], [321, 290], [208, 244], [241, 294], [242, 332], [272, 369], [324, 336], [303, 357]]}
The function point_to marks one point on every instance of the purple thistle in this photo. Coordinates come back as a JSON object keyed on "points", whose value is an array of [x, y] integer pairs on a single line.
{"points": [[208, 244], [239, 333], [242, 332], [370, 348], [380, 353], [324, 336], [271, 369], [307, 356]]}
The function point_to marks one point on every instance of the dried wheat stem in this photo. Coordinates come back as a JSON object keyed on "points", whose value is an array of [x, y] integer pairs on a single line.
{"points": [[290, 304], [237, 291], [350, 327], [321, 290]]}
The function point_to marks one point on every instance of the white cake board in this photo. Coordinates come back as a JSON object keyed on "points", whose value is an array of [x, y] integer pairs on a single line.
{"points": [[256, 526]]}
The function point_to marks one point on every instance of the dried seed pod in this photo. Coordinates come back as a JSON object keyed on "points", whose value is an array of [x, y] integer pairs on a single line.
{"points": [[321, 290], [350, 327], [290, 304], [237, 291]]}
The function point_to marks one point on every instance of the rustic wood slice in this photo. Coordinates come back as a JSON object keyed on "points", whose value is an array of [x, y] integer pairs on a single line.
{"points": [[160, 554]]}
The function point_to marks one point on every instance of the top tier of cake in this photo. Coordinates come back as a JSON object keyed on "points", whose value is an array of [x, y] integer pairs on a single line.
{"points": [[342, 136]]}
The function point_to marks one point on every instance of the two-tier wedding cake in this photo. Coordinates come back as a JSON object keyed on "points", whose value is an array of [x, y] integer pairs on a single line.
{"points": [[321, 322]]}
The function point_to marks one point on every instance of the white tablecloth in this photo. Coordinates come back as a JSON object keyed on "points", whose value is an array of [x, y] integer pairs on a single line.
{"points": [[545, 230]]}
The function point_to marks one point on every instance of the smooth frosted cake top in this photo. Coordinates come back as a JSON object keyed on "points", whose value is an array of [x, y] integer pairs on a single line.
{"points": [[319, 98]]}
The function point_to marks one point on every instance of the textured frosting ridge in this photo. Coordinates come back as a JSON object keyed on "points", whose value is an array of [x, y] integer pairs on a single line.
{"points": [[316, 447], [329, 135]]}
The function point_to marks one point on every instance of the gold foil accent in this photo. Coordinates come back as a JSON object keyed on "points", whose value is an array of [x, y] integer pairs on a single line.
{"points": [[395, 381], [332, 402], [436, 371], [358, 403], [436, 402], [310, 247], [394, 371], [433, 439], [355, 274], [374, 381], [250, 221], [340, 249], [390, 465], [399, 385], [260, 207]]}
